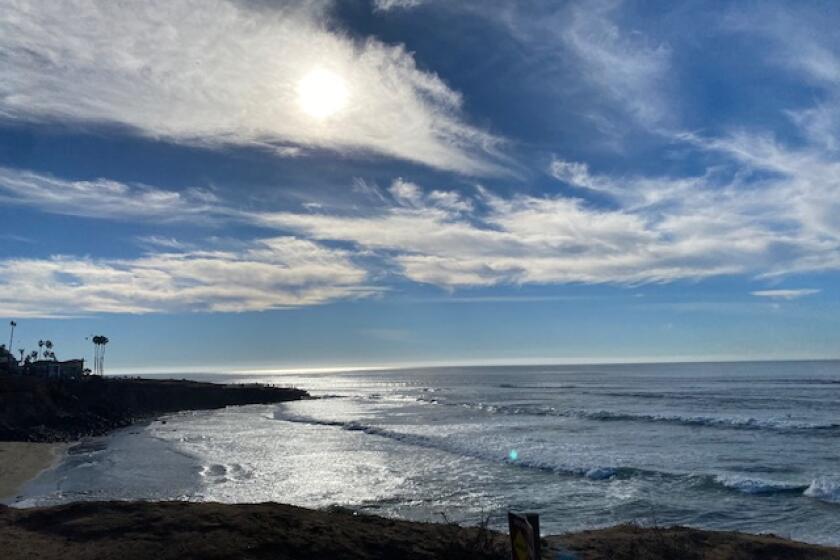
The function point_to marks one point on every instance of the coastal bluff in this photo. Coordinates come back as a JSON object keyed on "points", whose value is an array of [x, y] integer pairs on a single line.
{"points": [[213, 531], [45, 410]]}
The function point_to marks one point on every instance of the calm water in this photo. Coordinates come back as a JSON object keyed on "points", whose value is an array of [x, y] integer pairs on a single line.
{"points": [[751, 446]]}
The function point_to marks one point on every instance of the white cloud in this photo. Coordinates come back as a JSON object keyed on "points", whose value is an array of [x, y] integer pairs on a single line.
{"points": [[524, 239], [785, 294], [406, 193], [104, 198], [627, 67], [659, 229], [588, 48], [771, 211], [766, 208], [783, 197], [269, 274], [159, 242], [577, 175], [385, 5], [216, 72]]}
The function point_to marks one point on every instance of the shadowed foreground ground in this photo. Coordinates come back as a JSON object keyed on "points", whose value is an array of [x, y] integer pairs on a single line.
{"points": [[164, 530], [629, 542]]}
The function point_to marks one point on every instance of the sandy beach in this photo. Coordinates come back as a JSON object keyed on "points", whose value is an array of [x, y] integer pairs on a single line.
{"points": [[22, 461]]}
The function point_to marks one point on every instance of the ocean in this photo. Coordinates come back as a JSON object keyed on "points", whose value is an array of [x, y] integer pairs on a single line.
{"points": [[743, 446]]}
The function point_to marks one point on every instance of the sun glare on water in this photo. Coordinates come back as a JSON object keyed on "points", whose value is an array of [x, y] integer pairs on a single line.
{"points": [[322, 93]]}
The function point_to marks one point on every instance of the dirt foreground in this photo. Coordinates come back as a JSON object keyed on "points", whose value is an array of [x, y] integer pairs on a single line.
{"points": [[169, 530]]}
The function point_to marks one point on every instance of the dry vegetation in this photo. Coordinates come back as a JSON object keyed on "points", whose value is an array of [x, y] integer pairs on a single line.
{"points": [[631, 542], [192, 531]]}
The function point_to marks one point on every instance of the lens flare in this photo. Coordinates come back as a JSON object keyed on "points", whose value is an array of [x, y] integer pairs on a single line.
{"points": [[513, 455]]}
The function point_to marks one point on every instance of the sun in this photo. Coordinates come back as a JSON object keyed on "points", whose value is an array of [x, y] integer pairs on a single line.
{"points": [[322, 93]]}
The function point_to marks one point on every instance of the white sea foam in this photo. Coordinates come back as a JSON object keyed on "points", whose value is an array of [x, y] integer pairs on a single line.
{"points": [[826, 489], [471, 449], [756, 486], [737, 422], [601, 473], [823, 489]]}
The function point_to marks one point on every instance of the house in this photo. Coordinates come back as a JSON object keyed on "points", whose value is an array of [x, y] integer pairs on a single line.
{"points": [[68, 369]]}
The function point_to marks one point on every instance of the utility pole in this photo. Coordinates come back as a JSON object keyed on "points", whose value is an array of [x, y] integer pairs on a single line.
{"points": [[12, 324]]}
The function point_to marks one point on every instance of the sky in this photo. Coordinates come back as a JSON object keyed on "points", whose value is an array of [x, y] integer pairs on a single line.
{"points": [[256, 184]]}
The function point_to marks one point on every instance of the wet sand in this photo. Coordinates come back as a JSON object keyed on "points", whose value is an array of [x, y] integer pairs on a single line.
{"points": [[22, 461]]}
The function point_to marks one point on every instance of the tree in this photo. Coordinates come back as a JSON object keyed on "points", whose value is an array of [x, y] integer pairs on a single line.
{"points": [[40, 346], [99, 343]]}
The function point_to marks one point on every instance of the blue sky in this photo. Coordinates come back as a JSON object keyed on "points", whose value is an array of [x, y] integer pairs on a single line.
{"points": [[260, 184]]}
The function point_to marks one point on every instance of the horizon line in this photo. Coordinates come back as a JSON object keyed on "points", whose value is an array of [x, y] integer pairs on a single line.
{"points": [[304, 369]]}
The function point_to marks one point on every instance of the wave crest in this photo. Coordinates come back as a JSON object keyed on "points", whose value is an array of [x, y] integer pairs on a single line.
{"points": [[731, 422], [747, 485], [826, 489]]}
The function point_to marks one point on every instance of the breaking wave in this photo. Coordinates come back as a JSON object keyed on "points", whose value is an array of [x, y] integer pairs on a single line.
{"points": [[457, 447], [824, 489], [733, 422], [747, 485]]}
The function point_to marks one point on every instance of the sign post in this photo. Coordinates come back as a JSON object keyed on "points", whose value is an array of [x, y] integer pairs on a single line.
{"points": [[534, 522], [524, 536]]}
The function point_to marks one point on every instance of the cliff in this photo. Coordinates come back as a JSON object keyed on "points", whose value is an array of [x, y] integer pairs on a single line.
{"points": [[33, 409]]}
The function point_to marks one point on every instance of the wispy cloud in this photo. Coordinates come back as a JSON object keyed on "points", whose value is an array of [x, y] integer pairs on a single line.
{"points": [[105, 198], [385, 5], [758, 202], [219, 72], [15, 238], [586, 46], [659, 229], [785, 294], [627, 67], [523, 239], [270, 273], [769, 211]]}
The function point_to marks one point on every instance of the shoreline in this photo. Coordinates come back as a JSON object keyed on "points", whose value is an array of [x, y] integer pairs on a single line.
{"points": [[41, 418], [22, 462]]}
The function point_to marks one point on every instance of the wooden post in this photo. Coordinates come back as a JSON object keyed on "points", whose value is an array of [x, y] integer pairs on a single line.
{"points": [[521, 538], [534, 521]]}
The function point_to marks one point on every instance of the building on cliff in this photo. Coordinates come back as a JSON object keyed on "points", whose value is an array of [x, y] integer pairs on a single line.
{"points": [[68, 369]]}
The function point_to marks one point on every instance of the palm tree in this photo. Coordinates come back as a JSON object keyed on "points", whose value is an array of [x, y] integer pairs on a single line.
{"points": [[99, 343], [21, 350], [48, 353], [41, 345], [12, 326]]}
